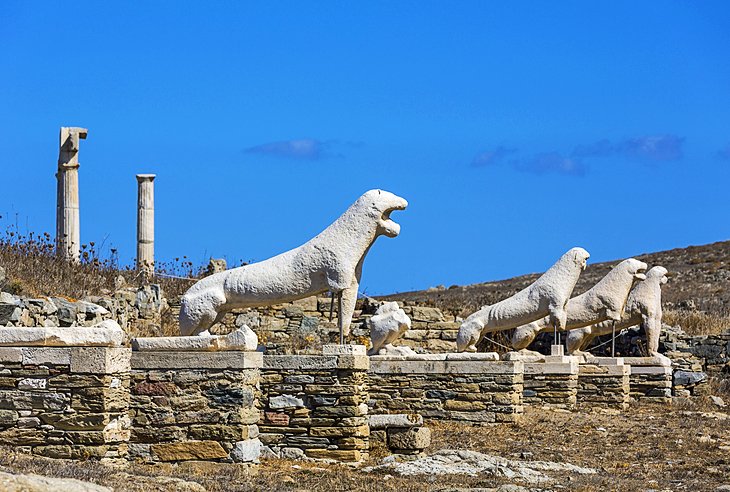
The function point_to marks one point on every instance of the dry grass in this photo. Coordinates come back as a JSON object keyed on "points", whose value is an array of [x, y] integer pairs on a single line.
{"points": [[646, 447], [697, 322], [33, 269]]}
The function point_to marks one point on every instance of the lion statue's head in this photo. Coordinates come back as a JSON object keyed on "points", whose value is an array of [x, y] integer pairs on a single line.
{"points": [[379, 204], [635, 267], [580, 257], [658, 272]]}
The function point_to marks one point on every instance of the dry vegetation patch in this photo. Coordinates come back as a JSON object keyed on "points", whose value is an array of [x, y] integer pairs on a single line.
{"points": [[646, 447], [697, 322]]}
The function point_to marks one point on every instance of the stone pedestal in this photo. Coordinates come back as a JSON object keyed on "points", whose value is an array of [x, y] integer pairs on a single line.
{"points": [[194, 405], [63, 400], [316, 406], [471, 388], [553, 383], [651, 379], [604, 382], [146, 223]]}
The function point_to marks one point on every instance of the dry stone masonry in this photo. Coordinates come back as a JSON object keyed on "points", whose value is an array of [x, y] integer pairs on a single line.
{"points": [[64, 392], [316, 406], [192, 402], [604, 382], [472, 388], [552, 383]]}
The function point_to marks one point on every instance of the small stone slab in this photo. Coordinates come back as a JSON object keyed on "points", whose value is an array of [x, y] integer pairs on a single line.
{"points": [[395, 420], [524, 356], [648, 361], [551, 368], [190, 450], [379, 366], [605, 361], [333, 349], [11, 355], [300, 362], [109, 335], [651, 370], [494, 356]]}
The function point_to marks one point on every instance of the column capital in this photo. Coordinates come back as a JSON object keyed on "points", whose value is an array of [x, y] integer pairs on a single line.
{"points": [[146, 177]]}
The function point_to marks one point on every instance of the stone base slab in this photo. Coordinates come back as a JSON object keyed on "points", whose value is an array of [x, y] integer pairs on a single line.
{"points": [[108, 334], [240, 340], [384, 365], [197, 360]]}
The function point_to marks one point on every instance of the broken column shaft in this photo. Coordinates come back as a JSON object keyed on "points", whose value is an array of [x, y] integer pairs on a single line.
{"points": [[146, 222], [68, 235]]}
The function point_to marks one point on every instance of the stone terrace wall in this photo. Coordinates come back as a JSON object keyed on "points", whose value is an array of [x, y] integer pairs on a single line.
{"points": [[553, 384], [304, 327], [714, 350], [604, 382], [65, 402], [135, 309], [315, 406], [190, 405], [449, 387], [649, 380]]}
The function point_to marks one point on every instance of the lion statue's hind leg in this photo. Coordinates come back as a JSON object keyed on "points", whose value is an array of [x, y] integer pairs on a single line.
{"points": [[198, 312], [524, 336]]}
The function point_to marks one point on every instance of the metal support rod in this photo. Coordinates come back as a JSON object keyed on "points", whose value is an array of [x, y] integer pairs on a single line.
{"points": [[555, 333], [613, 340]]}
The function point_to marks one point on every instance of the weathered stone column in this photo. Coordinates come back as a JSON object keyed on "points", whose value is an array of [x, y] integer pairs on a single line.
{"points": [[68, 236], [146, 222]]}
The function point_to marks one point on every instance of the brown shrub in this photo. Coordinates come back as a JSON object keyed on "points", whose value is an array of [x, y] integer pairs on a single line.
{"points": [[697, 322]]}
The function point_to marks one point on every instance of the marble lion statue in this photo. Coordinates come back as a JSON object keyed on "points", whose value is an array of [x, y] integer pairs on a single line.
{"points": [[388, 324], [332, 261], [643, 307], [604, 301], [547, 296]]}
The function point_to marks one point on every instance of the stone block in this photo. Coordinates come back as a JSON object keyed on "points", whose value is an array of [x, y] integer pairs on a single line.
{"points": [[190, 450], [543, 368], [100, 360], [333, 349], [8, 417], [445, 367], [239, 340], [412, 438], [484, 356], [111, 335], [419, 313], [58, 356], [285, 401], [247, 451], [650, 370], [10, 355], [352, 455], [353, 362], [395, 420], [299, 362]]}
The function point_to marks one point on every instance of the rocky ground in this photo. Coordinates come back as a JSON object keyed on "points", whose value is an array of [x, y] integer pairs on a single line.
{"points": [[648, 448], [699, 279]]}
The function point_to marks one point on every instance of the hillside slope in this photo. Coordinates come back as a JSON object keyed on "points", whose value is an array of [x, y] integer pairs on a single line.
{"points": [[699, 278]]}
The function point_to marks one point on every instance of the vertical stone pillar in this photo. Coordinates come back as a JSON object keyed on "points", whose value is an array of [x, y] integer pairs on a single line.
{"points": [[146, 222], [68, 236]]}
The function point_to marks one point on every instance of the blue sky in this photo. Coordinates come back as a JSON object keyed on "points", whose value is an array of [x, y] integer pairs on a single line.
{"points": [[515, 130]]}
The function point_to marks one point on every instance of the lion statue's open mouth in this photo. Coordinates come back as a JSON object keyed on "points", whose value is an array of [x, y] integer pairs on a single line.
{"points": [[389, 226]]}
